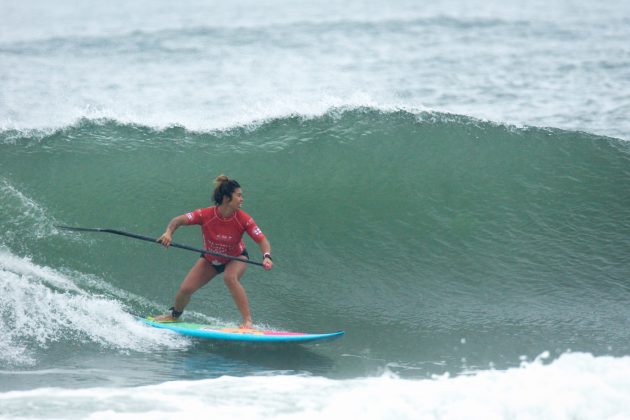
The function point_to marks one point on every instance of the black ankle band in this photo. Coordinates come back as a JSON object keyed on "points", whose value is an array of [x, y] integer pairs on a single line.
{"points": [[175, 313]]}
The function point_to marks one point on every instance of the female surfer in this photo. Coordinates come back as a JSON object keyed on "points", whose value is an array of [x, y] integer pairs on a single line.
{"points": [[223, 226]]}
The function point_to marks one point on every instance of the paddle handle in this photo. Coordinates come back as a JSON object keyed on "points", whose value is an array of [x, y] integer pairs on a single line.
{"points": [[155, 241]]}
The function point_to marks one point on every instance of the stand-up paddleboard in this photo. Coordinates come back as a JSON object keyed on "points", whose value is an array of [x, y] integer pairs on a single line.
{"points": [[239, 334], [209, 331]]}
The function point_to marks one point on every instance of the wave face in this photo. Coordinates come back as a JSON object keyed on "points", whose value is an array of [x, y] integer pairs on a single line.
{"points": [[438, 242]]}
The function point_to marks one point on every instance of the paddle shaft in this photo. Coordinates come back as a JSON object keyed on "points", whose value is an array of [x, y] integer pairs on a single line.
{"points": [[155, 241]]}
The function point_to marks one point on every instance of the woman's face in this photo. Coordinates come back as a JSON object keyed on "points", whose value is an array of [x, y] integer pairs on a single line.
{"points": [[237, 199]]}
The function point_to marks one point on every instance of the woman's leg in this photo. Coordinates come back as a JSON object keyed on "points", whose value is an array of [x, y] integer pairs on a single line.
{"points": [[234, 270], [198, 276]]}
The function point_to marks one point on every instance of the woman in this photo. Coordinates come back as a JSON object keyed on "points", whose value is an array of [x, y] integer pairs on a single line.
{"points": [[223, 227]]}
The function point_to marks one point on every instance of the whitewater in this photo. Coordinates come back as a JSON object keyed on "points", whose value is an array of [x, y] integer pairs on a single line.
{"points": [[574, 386]]}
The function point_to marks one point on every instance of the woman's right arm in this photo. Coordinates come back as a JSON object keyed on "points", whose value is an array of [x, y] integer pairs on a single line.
{"points": [[167, 236]]}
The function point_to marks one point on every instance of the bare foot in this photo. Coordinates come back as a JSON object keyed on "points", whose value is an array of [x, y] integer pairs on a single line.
{"points": [[165, 318], [247, 325]]}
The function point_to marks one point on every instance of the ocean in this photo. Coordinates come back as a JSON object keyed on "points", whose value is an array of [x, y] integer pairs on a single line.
{"points": [[448, 183]]}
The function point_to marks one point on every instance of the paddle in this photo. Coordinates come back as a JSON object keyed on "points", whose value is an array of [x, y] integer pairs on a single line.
{"points": [[154, 240]]}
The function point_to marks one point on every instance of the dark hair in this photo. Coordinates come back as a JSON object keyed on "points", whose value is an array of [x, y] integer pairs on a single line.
{"points": [[224, 187]]}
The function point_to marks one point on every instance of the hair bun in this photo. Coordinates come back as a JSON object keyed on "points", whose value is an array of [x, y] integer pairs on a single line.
{"points": [[221, 179]]}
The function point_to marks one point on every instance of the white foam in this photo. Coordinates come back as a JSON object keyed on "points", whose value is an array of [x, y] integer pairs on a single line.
{"points": [[578, 386], [40, 306], [24, 213]]}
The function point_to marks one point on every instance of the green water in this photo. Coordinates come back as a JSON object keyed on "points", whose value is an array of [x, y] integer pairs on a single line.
{"points": [[437, 242]]}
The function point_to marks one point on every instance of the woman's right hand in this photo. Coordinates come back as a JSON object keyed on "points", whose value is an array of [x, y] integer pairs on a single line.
{"points": [[165, 239], [167, 236]]}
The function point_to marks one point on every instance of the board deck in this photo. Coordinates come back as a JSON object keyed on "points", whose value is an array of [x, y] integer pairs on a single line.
{"points": [[240, 334]]}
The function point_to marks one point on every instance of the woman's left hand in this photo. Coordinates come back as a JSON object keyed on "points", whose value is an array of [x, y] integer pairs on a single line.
{"points": [[267, 263]]}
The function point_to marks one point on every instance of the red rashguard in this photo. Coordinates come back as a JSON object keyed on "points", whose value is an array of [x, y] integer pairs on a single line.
{"points": [[224, 235]]}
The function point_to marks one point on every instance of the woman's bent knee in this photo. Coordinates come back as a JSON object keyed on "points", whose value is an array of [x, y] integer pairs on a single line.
{"points": [[230, 279]]}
